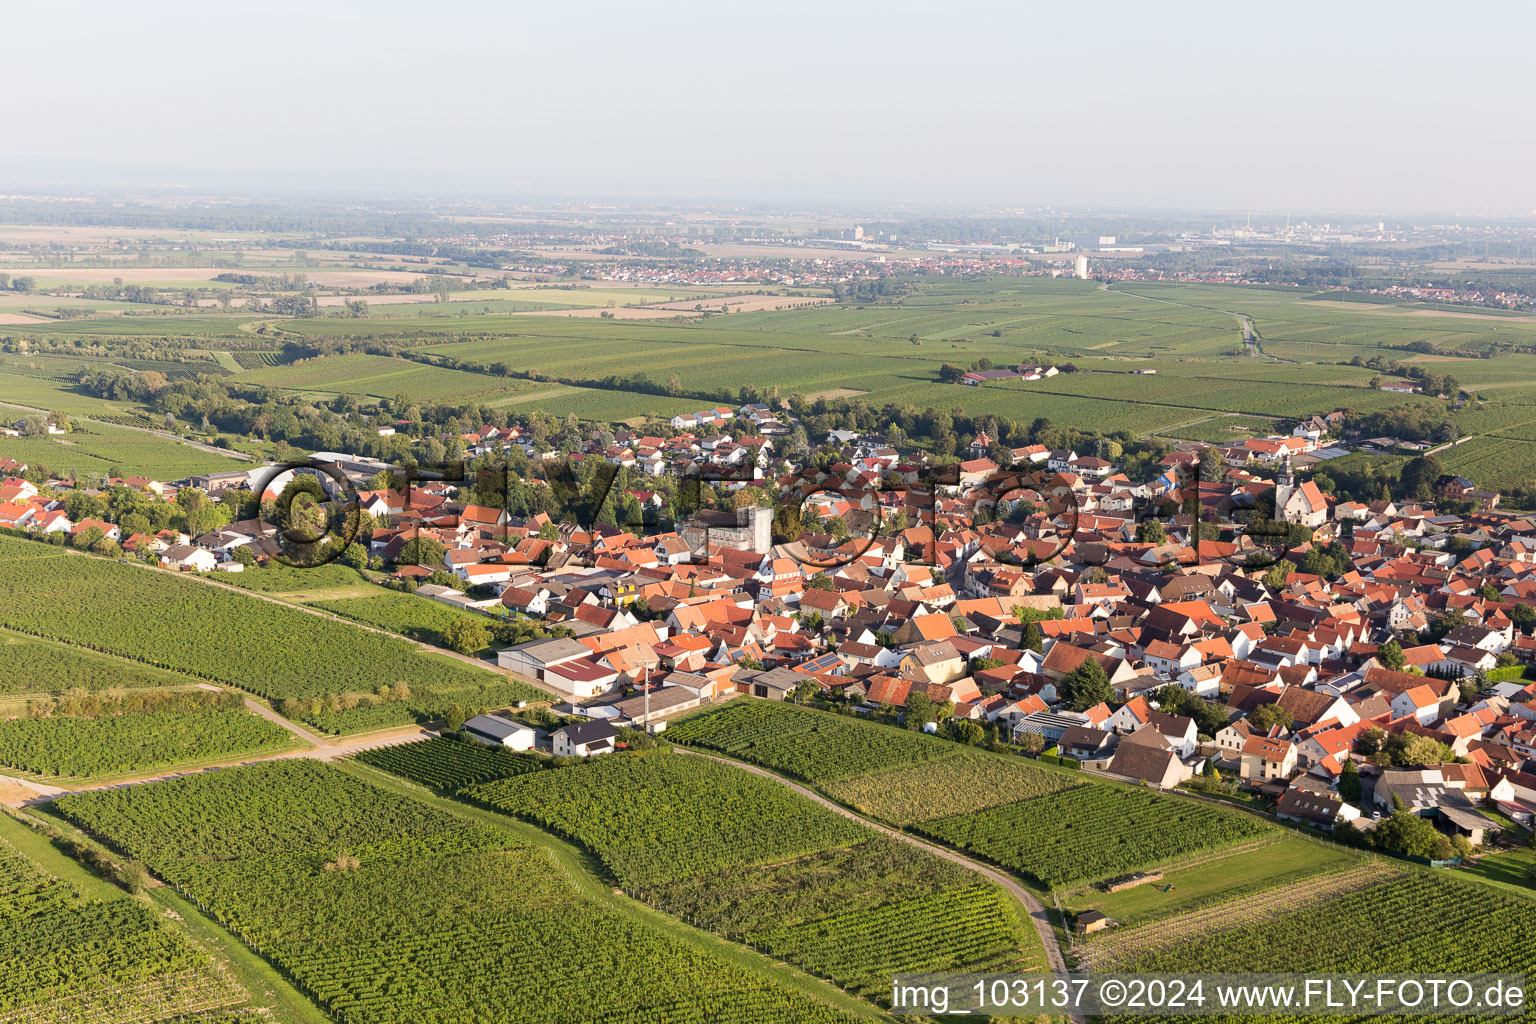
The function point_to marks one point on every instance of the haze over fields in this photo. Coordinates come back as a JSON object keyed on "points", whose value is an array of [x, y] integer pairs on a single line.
{"points": [[1362, 107]]}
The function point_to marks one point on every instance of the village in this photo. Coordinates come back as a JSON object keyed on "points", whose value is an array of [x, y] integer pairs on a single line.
{"points": [[1353, 660]]}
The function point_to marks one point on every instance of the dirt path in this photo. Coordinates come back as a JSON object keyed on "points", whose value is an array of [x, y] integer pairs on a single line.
{"points": [[41, 793], [277, 719], [1037, 911]]}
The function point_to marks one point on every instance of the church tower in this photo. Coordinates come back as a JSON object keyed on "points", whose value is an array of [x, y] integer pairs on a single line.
{"points": [[1285, 486]]}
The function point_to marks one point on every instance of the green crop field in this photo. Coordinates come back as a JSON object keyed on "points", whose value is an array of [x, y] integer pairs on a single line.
{"points": [[138, 734], [888, 353], [281, 653], [1268, 865], [69, 956], [745, 857], [450, 764], [810, 745], [419, 618], [423, 915], [1091, 832], [680, 816], [32, 666], [960, 783], [1415, 923]]}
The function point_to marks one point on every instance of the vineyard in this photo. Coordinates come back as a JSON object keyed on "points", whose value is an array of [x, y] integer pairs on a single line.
{"points": [[806, 744], [447, 764], [68, 957], [385, 910], [960, 783], [743, 856], [657, 817], [29, 665], [190, 726], [287, 579], [1092, 831], [1113, 949], [1414, 924], [161, 619], [856, 915], [419, 618]]}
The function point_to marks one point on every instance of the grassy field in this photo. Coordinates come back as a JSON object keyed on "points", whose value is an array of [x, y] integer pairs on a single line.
{"points": [[1212, 879]]}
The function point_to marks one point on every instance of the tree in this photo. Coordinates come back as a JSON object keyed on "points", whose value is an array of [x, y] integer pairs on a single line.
{"points": [[421, 551], [1370, 741], [1032, 639], [465, 635], [1032, 742], [1266, 716], [1390, 654], [1274, 578], [1211, 467], [454, 717], [1408, 835], [919, 710], [1349, 783], [1086, 685], [1151, 531]]}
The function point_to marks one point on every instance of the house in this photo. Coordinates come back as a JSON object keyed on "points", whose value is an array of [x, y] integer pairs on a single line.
{"points": [[1323, 809], [185, 556], [1147, 757], [1086, 743], [1268, 757], [585, 739], [495, 731], [1179, 731]]}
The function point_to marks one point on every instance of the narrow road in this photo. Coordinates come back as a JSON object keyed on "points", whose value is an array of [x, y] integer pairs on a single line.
{"points": [[1037, 911], [323, 752], [277, 719]]}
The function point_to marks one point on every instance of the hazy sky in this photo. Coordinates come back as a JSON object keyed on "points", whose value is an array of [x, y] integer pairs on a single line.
{"points": [[1345, 106]]}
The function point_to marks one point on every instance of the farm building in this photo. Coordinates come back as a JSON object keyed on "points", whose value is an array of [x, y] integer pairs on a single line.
{"points": [[501, 732]]}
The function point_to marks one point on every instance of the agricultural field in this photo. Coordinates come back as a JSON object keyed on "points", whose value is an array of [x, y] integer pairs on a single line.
{"points": [[449, 765], [813, 746], [1200, 881], [419, 618], [70, 956], [747, 858], [1093, 831], [678, 816], [35, 667], [1416, 923], [137, 734], [422, 915], [288, 579], [103, 448], [280, 653], [960, 783]]}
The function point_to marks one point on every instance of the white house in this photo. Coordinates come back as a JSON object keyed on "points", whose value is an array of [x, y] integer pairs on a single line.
{"points": [[584, 739], [185, 556]]}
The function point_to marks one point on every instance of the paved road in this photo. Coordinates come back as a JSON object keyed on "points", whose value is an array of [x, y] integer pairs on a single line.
{"points": [[1037, 911]]}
